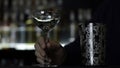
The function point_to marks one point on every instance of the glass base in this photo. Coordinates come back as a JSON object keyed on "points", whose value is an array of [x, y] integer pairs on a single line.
{"points": [[40, 65]]}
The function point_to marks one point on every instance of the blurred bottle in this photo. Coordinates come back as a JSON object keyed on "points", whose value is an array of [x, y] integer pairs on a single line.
{"points": [[80, 15], [5, 5], [15, 8], [13, 29], [30, 30], [1, 11], [21, 6], [59, 3], [88, 14], [30, 35], [5, 29], [21, 29], [38, 4], [0, 33], [84, 15], [38, 32], [73, 26]]}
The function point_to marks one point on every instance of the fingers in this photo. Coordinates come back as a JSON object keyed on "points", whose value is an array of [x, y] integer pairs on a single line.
{"points": [[47, 44], [39, 50], [43, 61], [40, 61], [47, 51], [41, 42], [39, 55]]}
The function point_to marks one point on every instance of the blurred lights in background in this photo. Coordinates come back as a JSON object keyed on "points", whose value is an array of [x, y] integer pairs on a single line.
{"points": [[16, 28], [18, 31]]}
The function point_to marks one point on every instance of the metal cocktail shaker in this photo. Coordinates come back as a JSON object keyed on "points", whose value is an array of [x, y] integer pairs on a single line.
{"points": [[92, 43]]}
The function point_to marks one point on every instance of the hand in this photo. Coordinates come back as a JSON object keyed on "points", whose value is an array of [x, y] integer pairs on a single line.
{"points": [[53, 50]]}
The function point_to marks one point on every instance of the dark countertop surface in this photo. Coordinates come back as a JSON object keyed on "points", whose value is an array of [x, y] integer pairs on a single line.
{"points": [[63, 67]]}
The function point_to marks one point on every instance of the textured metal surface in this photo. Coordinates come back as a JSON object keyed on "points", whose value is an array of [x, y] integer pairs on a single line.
{"points": [[92, 43]]}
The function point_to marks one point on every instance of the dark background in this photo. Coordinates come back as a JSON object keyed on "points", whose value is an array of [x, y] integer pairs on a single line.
{"points": [[113, 47]]}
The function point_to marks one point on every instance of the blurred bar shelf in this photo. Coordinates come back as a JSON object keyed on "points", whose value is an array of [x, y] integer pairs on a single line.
{"points": [[17, 46]]}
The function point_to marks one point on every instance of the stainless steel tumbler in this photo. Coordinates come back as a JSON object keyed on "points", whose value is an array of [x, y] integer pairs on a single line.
{"points": [[92, 43]]}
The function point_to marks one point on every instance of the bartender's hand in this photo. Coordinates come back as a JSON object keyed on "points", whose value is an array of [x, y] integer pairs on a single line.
{"points": [[53, 50]]}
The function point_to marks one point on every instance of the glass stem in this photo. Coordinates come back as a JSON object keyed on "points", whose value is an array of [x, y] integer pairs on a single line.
{"points": [[46, 39], [45, 36]]}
